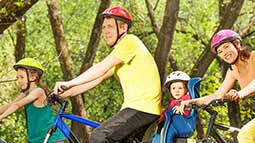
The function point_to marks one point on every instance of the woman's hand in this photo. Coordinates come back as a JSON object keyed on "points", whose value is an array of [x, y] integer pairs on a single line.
{"points": [[181, 108], [233, 95]]}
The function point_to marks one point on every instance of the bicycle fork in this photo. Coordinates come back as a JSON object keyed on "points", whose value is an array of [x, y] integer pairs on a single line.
{"points": [[49, 133], [210, 130]]}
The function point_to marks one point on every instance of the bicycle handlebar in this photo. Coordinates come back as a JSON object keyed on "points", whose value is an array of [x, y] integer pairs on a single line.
{"points": [[54, 97], [215, 103]]}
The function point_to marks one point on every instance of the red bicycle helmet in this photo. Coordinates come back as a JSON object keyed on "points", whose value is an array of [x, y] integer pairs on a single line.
{"points": [[118, 13], [225, 35]]}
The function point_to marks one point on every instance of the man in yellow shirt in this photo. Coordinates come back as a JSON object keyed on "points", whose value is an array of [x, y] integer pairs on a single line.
{"points": [[135, 69]]}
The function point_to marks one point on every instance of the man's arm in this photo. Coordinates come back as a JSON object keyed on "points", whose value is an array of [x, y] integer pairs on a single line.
{"points": [[76, 90], [93, 73], [96, 71]]}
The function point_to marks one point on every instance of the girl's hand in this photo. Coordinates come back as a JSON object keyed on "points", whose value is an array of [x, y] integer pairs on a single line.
{"points": [[181, 109], [233, 95]]}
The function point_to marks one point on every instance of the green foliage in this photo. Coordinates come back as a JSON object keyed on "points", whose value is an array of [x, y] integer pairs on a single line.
{"points": [[3, 11], [19, 3], [104, 101]]}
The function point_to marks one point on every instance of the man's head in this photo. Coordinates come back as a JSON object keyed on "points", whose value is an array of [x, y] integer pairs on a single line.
{"points": [[116, 22]]}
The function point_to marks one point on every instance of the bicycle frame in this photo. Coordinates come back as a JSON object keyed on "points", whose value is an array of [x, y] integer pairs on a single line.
{"points": [[213, 126], [60, 124]]}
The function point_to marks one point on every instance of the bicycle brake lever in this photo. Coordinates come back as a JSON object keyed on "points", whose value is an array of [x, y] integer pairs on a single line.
{"points": [[50, 99], [218, 102], [53, 98]]}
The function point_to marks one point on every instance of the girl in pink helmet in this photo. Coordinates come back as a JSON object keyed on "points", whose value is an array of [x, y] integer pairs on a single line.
{"points": [[227, 45]]}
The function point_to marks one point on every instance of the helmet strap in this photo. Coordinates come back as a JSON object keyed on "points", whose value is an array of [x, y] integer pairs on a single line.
{"points": [[118, 33], [238, 51], [28, 82]]}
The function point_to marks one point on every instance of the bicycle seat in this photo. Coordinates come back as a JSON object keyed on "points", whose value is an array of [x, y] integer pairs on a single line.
{"points": [[179, 125]]}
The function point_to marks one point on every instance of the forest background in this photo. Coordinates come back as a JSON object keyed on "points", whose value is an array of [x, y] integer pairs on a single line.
{"points": [[65, 35]]}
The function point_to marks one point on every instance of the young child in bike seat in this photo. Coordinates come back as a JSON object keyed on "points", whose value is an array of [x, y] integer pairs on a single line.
{"points": [[175, 125], [34, 97], [176, 83]]}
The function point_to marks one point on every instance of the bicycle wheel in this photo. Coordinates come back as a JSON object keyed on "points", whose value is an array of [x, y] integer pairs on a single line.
{"points": [[217, 137]]}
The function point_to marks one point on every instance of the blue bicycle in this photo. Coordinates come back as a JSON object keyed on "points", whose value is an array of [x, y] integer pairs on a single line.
{"points": [[60, 124]]}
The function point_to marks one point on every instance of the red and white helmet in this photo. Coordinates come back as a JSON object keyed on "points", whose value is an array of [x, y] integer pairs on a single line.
{"points": [[176, 76], [118, 13], [225, 35]]}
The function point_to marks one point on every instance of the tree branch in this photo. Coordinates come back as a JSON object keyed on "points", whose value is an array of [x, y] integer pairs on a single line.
{"points": [[12, 12], [154, 24], [244, 32]]}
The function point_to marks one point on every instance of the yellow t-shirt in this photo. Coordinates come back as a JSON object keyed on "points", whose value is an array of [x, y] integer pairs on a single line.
{"points": [[138, 75]]}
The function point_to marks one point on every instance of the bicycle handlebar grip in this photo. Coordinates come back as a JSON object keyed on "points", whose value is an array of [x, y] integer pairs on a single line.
{"points": [[218, 102]]}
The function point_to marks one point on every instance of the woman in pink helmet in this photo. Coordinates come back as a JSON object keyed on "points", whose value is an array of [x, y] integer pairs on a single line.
{"points": [[129, 61], [227, 45]]}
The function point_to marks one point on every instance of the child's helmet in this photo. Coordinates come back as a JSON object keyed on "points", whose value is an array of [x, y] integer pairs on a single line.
{"points": [[118, 13], [176, 76], [222, 36], [30, 63]]}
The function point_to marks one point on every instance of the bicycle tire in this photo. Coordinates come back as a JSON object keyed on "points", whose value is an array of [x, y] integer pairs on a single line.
{"points": [[216, 136]]}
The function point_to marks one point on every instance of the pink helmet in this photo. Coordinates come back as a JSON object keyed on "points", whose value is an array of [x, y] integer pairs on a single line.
{"points": [[222, 36], [118, 13]]}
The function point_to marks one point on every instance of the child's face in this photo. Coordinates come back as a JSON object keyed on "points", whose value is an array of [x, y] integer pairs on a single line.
{"points": [[22, 78], [178, 89]]}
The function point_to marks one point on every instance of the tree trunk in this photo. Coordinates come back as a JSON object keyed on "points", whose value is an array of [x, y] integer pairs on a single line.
{"points": [[94, 37], [233, 107], [21, 39], [151, 14], [66, 66], [199, 128], [234, 117], [166, 36], [12, 12]]}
